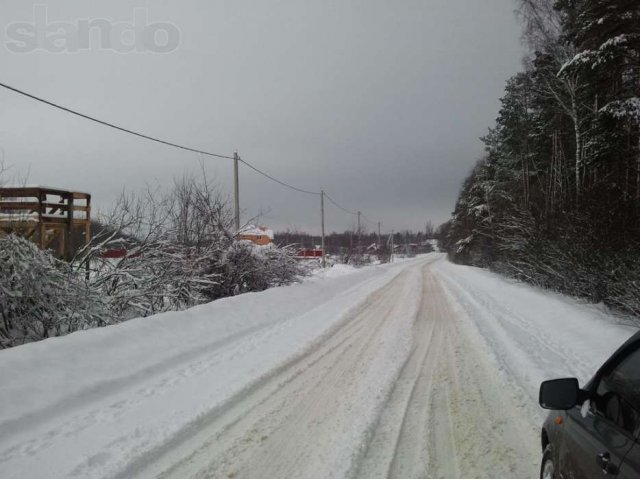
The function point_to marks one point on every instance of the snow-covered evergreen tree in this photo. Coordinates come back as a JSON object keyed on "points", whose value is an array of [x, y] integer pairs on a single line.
{"points": [[556, 200]]}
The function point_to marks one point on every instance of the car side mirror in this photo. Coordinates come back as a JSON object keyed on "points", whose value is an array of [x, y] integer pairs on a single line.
{"points": [[560, 394]]}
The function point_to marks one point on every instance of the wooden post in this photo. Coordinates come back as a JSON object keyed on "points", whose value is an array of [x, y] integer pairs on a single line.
{"points": [[324, 262], [68, 232], [236, 192], [392, 246], [87, 234], [40, 224], [41, 229], [87, 226]]}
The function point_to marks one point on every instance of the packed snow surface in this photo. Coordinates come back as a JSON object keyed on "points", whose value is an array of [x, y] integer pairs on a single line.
{"points": [[421, 368]]}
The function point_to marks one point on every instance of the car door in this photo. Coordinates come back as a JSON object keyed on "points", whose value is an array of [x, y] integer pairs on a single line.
{"points": [[631, 464], [597, 439]]}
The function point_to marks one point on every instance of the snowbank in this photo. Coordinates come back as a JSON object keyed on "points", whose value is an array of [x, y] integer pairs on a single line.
{"points": [[337, 270], [534, 334], [69, 394]]}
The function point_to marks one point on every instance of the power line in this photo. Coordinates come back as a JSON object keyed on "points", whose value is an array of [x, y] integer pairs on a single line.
{"points": [[284, 184], [147, 137], [364, 217], [175, 145], [102, 122], [301, 190], [339, 206]]}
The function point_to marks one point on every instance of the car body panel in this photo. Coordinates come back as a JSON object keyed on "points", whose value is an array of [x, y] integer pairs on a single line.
{"points": [[630, 467], [587, 437], [582, 444]]}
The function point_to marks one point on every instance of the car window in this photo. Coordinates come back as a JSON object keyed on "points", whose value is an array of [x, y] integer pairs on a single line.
{"points": [[618, 394]]}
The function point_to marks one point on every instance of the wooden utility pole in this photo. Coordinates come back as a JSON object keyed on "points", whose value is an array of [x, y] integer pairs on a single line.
{"points": [[236, 191], [358, 231], [324, 262], [378, 233], [391, 259]]}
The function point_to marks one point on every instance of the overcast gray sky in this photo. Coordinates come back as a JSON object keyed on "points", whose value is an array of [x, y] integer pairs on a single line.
{"points": [[380, 103]]}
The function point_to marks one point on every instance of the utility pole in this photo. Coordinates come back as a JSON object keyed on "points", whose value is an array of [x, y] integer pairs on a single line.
{"points": [[391, 260], [236, 191], [324, 262], [378, 233], [358, 229]]}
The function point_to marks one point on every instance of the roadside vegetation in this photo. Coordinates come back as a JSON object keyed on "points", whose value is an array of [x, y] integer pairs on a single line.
{"points": [[555, 201], [180, 252]]}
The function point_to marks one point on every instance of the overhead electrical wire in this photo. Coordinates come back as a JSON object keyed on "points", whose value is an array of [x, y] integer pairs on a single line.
{"points": [[301, 190], [366, 219], [284, 184], [175, 145], [339, 206], [108, 124]]}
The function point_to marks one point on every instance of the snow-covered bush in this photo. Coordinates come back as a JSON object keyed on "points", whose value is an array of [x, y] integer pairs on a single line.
{"points": [[244, 270], [283, 267], [170, 262], [153, 278], [41, 296], [359, 259], [250, 268], [179, 252]]}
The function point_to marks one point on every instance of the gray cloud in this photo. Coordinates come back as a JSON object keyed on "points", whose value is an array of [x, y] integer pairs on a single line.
{"points": [[381, 103]]}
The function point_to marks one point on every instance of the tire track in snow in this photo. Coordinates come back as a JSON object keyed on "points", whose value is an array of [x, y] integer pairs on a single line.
{"points": [[445, 412], [304, 396], [130, 419], [396, 426], [450, 414], [402, 385], [489, 433]]}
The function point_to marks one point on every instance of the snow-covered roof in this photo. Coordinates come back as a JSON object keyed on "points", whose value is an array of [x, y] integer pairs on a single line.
{"points": [[32, 185], [43, 187], [256, 230]]}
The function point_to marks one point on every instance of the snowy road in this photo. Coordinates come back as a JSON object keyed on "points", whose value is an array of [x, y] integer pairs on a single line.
{"points": [[411, 370]]}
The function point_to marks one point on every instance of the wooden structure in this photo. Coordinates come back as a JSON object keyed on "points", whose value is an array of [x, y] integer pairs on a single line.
{"points": [[51, 217]]}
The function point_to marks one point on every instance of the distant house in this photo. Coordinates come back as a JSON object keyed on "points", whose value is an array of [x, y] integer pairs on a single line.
{"points": [[257, 235], [309, 253]]}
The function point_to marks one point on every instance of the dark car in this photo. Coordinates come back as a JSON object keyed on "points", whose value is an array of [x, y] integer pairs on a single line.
{"points": [[593, 432]]}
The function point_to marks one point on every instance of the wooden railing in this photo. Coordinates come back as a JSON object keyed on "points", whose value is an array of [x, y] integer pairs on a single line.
{"points": [[46, 215]]}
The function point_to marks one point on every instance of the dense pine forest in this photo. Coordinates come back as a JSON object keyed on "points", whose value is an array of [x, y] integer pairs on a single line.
{"points": [[555, 201]]}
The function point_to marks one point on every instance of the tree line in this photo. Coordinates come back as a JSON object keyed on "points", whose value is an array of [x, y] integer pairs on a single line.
{"points": [[555, 200], [336, 242], [360, 246]]}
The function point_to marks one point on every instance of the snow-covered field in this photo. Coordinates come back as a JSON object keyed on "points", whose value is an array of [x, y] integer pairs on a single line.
{"points": [[420, 368]]}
